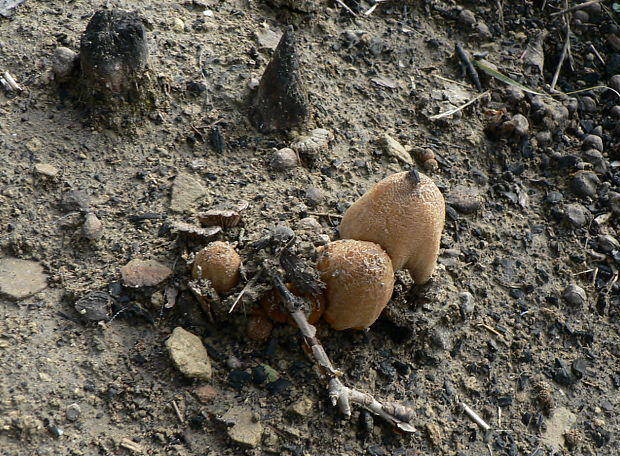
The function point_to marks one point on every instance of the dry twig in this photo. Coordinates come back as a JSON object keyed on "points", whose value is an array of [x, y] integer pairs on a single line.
{"points": [[340, 395], [576, 7]]}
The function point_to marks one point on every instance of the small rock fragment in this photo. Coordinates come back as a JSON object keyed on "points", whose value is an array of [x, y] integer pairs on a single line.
{"points": [[95, 306], [607, 243], [315, 142], [574, 295], [395, 149], [466, 200], [584, 184], [224, 215], [205, 394], [45, 169], [593, 142], [467, 17], [185, 191], [178, 25], [20, 279], [267, 38], [517, 126], [284, 159], [576, 215], [73, 412], [246, 428], [92, 229], [75, 200], [281, 99], [64, 62], [314, 196], [144, 273], [302, 407], [194, 232], [189, 354]]}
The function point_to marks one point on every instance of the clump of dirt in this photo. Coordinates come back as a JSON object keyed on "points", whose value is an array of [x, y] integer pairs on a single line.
{"points": [[519, 322]]}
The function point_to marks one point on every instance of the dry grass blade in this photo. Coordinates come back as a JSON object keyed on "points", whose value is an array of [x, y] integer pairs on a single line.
{"points": [[455, 110]]}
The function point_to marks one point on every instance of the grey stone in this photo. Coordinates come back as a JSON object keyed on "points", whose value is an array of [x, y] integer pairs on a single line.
{"points": [[465, 200], [267, 39], [185, 191], [144, 273], [614, 82], [596, 159], [554, 197], [244, 426], [92, 228], [466, 302], [64, 62], [467, 17], [574, 295], [577, 215], [45, 169], [607, 243], [75, 200], [614, 202], [584, 184], [314, 196], [395, 149], [188, 354], [302, 408], [543, 138], [73, 412], [284, 159], [588, 104], [95, 306], [20, 279], [593, 142]]}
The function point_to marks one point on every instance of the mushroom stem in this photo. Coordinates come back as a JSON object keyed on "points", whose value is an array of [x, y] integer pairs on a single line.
{"points": [[340, 395]]}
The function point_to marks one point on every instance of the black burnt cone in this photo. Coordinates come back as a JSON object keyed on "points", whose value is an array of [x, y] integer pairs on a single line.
{"points": [[281, 102], [113, 52]]}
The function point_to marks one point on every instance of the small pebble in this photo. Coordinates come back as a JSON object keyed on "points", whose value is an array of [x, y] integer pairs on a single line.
{"points": [[593, 142], [614, 202], [607, 243], [574, 295], [576, 215], [63, 63], [92, 229], [73, 412], [554, 197], [466, 302], [614, 82], [465, 200], [95, 306], [45, 169], [284, 159], [233, 362], [584, 184], [75, 200], [205, 394], [588, 104], [467, 17], [543, 138], [483, 31], [596, 159], [517, 126], [582, 16], [178, 25], [144, 273], [302, 407], [314, 196]]}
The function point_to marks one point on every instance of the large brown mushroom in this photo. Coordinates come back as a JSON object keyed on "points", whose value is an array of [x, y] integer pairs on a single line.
{"points": [[360, 281], [220, 263], [404, 214]]}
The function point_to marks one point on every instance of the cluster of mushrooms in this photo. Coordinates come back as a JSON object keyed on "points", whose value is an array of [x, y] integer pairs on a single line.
{"points": [[396, 224]]}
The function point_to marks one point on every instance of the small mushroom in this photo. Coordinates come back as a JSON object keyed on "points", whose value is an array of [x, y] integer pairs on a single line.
{"points": [[220, 263], [404, 214], [360, 281]]}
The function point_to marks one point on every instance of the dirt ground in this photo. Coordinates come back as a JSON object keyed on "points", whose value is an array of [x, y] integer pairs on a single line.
{"points": [[520, 321]]}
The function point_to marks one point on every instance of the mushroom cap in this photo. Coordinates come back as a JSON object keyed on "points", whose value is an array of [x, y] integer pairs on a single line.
{"points": [[360, 281], [403, 215], [220, 263]]}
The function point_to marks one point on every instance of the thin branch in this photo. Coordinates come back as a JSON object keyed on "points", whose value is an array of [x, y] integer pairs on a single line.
{"points": [[562, 56], [340, 395], [576, 7], [344, 5]]}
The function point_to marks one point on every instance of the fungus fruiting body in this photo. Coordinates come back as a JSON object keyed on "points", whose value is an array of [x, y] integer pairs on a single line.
{"points": [[360, 280], [220, 263], [404, 213]]}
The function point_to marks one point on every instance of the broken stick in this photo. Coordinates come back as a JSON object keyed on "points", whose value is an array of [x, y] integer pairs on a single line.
{"points": [[340, 395]]}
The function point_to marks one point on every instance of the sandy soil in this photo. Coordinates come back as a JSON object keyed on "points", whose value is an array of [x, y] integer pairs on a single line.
{"points": [[530, 210]]}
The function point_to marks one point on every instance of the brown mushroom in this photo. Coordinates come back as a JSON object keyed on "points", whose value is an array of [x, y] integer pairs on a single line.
{"points": [[404, 214], [360, 281], [220, 263]]}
